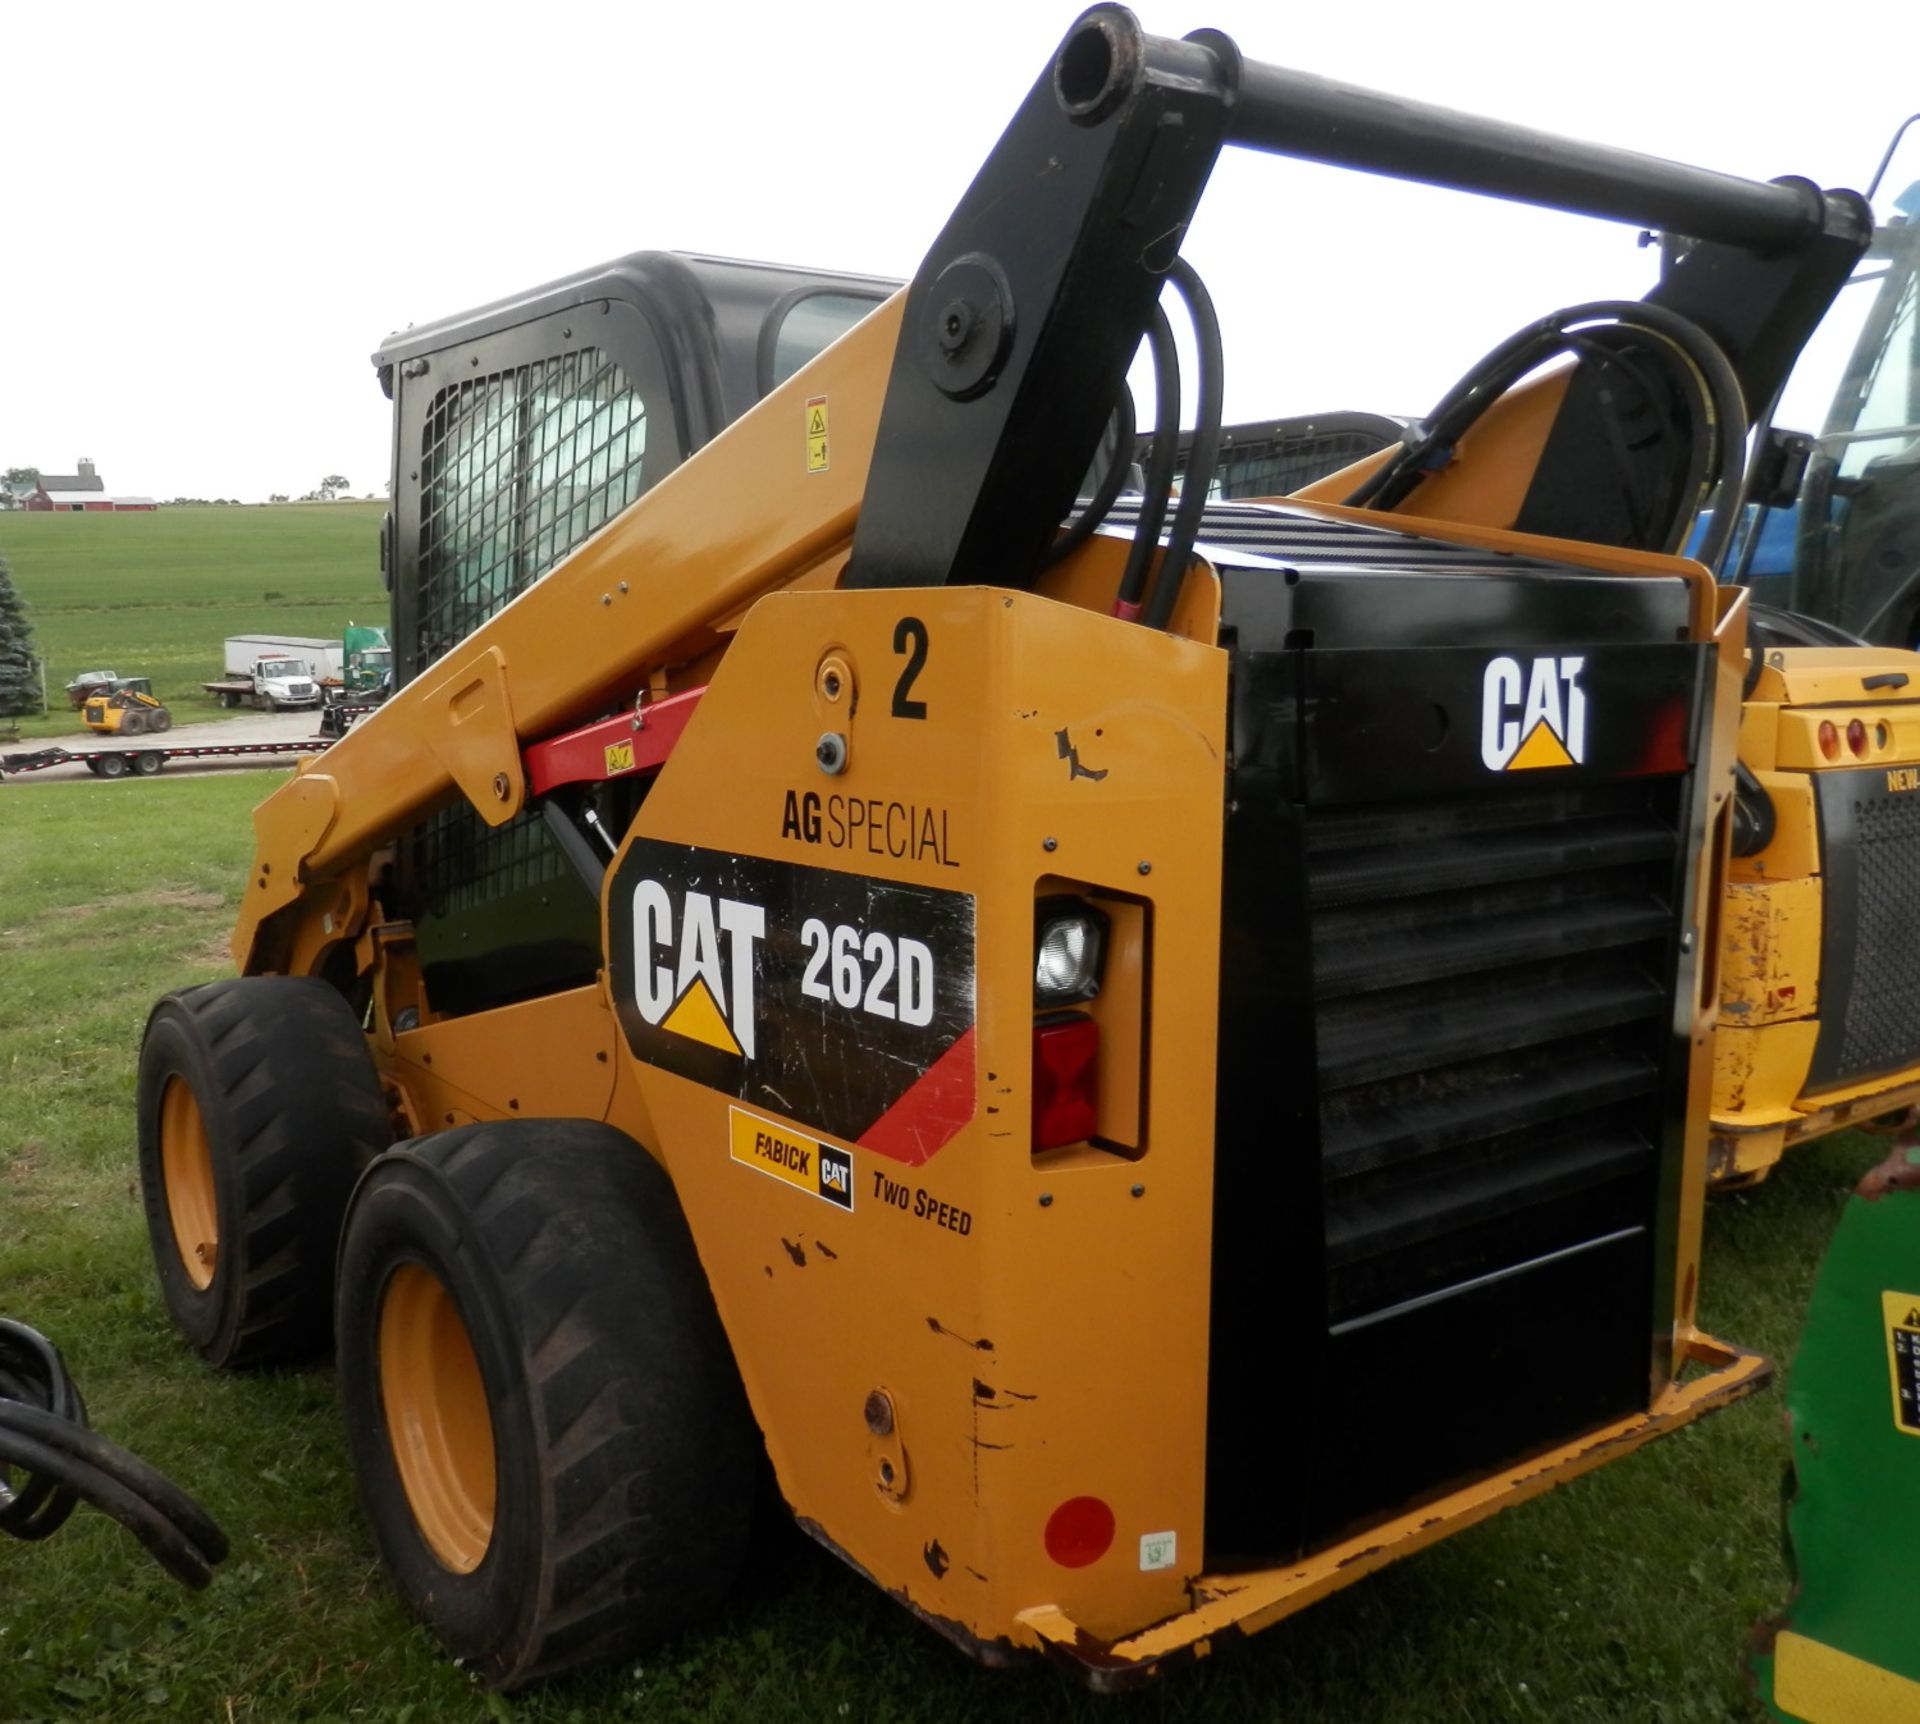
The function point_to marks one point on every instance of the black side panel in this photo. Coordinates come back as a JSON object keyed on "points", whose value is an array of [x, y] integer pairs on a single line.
{"points": [[1870, 928]]}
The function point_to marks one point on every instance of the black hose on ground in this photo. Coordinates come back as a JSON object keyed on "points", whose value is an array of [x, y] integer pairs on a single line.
{"points": [[50, 1462]]}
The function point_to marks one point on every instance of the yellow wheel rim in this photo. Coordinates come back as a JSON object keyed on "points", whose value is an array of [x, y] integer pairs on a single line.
{"points": [[186, 1167], [437, 1418]]}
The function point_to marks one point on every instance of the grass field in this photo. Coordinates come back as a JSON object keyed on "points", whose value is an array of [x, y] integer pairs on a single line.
{"points": [[156, 595], [1628, 1595]]}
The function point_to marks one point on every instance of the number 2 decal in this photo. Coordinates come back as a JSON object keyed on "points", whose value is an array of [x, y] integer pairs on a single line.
{"points": [[909, 637]]}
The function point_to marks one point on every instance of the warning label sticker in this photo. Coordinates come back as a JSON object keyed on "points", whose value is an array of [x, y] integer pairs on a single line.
{"points": [[816, 433], [619, 757], [820, 1169], [1901, 1312]]}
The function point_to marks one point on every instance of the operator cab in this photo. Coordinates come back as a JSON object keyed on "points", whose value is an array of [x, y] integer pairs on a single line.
{"points": [[523, 427], [520, 429]]}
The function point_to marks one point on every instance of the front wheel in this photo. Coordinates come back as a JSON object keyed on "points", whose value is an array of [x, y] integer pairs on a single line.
{"points": [[257, 1108], [551, 1441], [110, 765]]}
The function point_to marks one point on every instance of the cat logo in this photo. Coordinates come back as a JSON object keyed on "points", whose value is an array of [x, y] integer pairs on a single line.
{"points": [[1532, 714], [694, 995]]}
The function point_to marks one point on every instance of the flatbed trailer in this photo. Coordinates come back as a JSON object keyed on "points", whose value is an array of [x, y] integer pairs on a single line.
{"points": [[145, 762]]}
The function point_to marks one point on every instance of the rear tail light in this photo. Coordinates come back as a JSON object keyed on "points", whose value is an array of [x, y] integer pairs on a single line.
{"points": [[1829, 739], [1857, 738], [1066, 1066]]}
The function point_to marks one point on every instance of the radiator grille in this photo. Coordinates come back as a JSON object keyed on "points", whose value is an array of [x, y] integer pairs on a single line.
{"points": [[1880, 1026], [1491, 1005]]}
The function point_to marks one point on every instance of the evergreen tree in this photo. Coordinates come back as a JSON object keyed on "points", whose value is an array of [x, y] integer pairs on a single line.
{"points": [[19, 680]]}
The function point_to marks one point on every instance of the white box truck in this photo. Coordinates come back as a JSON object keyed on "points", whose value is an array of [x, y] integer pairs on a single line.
{"points": [[277, 671]]}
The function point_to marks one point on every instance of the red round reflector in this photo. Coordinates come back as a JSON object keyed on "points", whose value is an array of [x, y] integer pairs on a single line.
{"points": [[1857, 737], [1079, 1531], [1829, 739]]}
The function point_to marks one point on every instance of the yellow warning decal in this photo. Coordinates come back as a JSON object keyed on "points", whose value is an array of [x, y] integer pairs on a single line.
{"points": [[619, 757], [1903, 778], [697, 1015], [820, 1169], [1901, 1313], [816, 433]]}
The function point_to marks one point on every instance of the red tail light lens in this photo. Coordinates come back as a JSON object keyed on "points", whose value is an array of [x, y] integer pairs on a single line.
{"points": [[1829, 739], [1857, 738], [1066, 1064]]}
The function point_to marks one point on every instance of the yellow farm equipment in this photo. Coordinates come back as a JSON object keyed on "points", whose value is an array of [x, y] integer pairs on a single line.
{"points": [[1109, 1038], [127, 707]]}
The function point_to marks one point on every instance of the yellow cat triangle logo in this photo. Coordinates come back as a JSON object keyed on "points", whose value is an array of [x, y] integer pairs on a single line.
{"points": [[1542, 748], [696, 1015]]}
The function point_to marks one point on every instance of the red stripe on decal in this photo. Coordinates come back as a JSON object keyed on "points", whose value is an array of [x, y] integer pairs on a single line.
{"points": [[920, 1124]]}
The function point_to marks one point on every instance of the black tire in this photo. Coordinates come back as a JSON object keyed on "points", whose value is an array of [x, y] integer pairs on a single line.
{"points": [[149, 762], [258, 1108], [229, 699], [623, 1456], [112, 765], [133, 722], [93, 765], [160, 719]]}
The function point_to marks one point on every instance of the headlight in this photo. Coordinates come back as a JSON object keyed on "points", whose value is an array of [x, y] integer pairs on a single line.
{"points": [[1070, 946]]}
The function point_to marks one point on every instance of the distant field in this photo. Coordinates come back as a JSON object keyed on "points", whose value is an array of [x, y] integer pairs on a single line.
{"points": [[155, 595]]}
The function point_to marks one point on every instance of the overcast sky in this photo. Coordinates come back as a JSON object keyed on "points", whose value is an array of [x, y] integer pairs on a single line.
{"points": [[216, 212]]}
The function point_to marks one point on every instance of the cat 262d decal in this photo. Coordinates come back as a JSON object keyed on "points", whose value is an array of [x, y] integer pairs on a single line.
{"points": [[838, 1000]]}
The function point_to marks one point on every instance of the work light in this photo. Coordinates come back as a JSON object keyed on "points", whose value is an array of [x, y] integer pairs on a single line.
{"points": [[1070, 941]]}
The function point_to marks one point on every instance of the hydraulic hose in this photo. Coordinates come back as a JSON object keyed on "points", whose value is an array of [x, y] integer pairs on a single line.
{"points": [[50, 1461], [1431, 446], [1083, 525], [1205, 454], [1166, 453]]}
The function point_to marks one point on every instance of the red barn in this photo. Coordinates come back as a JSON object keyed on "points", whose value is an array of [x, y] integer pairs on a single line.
{"points": [[82, 493]]}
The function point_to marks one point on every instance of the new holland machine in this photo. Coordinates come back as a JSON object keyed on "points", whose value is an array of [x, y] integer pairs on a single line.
{"points": [[845, 952]]}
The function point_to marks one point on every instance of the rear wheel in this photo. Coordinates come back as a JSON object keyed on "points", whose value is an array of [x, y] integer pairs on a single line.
{"points": [[133, 722], [257, 1108], [550, 1437], [228, 698], [159, 720], [110, 765], [149, 763]]}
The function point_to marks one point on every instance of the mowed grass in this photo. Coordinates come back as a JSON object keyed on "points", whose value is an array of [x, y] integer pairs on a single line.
{"points": [[157, 594], [1627, 1595]]}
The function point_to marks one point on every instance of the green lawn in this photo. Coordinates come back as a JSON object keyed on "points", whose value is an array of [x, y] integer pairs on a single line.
{"points": [[1628, 1595], [156, 595]]}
